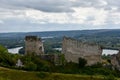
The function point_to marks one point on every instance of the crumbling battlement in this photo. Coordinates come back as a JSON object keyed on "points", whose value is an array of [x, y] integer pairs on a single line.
{"points": [[74, 49], [32, 38]]}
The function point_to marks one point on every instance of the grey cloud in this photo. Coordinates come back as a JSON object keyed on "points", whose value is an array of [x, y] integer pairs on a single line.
{"points": [[43, 5], [114, 3], [98, 4], [90, 18], [90, 3], [58, 5], [86, 3]]}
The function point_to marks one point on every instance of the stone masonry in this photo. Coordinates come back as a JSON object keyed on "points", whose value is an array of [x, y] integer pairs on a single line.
{"points": [[33, 45], [74, 49], [115, 61]]}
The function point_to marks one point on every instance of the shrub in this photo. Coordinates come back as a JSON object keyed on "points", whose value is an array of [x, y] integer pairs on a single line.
{"points": [[42, 75], [3, 49], [110, 77], [6, 59], [31, 66], [98, 65], [82, 62]]}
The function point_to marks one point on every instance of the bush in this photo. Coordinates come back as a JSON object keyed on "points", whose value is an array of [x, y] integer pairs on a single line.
{"points": [[98, 65], [3, 49], [82, 62], [6, 59], [68, 68], [31, 66], [42, 75], [110, 77]]}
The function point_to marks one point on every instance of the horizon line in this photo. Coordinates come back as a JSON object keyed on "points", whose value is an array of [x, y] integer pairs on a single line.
{"points": [[57, 30]]}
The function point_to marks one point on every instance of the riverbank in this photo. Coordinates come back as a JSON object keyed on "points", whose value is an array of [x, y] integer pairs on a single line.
{"points": [[10, 74]]}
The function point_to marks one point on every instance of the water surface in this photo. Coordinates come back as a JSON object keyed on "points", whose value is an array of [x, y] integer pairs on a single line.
{"points": [[109, 51], [14, 50]]}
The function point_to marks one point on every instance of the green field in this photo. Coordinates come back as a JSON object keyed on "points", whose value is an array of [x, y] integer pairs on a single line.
{"points": [[9, 74]]}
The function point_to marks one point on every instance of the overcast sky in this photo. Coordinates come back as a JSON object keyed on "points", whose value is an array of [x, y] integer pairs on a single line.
{"points": [[51, 15]]}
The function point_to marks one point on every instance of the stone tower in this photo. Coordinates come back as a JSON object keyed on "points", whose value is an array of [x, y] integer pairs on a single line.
{"points": [[33, 45]]}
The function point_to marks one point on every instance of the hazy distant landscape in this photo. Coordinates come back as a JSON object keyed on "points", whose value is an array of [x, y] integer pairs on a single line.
{"points": [[109, 38]]}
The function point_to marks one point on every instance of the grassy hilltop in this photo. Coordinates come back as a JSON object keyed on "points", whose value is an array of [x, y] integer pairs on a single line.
{"points": [[10, 74]]}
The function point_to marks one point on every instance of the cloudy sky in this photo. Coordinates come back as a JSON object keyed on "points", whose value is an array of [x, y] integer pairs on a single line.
{"points": [[51, 15]]}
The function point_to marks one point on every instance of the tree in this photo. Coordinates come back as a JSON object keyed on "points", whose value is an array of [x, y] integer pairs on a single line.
{"points": [[3, 49], [82, 62]]}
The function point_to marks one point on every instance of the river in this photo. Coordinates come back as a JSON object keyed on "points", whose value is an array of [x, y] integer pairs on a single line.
{"points": [[105, 51], [109, 51], [14, 50]]}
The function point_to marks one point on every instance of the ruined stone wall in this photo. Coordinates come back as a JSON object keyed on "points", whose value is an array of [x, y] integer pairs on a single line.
{"points": [[115, 61], [54, 58], [33, 45], [74, 49]]}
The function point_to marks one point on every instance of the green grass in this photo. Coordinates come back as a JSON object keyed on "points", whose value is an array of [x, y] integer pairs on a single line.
{"points": [[10, 74]]}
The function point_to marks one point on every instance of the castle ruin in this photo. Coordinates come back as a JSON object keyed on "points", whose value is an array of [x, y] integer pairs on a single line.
{"points": [[33, 45], [115, 60], [74, 49]]}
